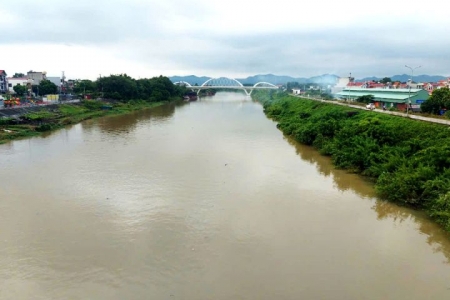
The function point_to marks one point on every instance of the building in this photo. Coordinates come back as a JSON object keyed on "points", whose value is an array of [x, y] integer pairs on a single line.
{"points": [[57, 81], [397, 98], [342, 83], [296, 91], [3, 82], [12, 82], [36, 77]]}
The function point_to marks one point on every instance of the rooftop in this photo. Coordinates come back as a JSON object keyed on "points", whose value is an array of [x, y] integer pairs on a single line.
{"points": [[369, 90]]}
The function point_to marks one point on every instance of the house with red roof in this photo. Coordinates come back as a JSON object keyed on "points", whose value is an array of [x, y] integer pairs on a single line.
{"points": [[3, 83]]}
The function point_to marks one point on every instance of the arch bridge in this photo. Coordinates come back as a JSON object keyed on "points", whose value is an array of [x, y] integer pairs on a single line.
{"points": [[228, 83]]}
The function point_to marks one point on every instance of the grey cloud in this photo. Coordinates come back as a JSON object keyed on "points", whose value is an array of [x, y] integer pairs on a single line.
{"points": [[149, 32]]}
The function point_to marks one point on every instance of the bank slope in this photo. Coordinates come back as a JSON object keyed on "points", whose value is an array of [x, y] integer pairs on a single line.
{"points": [[408, 160], [57, 116]]}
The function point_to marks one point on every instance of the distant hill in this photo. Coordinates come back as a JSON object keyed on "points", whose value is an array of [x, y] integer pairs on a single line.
{"points": [[274, 79], [406, 77], [192, 79]]}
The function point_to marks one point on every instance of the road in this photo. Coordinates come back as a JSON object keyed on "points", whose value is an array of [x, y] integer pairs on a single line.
{"points": [[394, 113]]}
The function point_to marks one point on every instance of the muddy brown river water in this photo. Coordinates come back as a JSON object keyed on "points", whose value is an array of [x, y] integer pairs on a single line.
{"points": [[202, 200]]}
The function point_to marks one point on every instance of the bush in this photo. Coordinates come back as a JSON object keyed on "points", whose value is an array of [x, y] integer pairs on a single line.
{"points": [[92, 104], [408, 160]]}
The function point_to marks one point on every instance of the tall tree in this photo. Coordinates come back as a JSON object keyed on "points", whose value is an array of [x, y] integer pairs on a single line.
{"points": [[47, 87], [438, 100], [84, 86], [386, 80], [18, 75], [20, 90]]}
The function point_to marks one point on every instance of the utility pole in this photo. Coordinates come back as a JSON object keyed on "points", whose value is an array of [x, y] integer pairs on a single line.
{"points": [[409, 93]]}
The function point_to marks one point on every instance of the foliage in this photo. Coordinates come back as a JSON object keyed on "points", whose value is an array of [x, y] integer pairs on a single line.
{"points": [[84, 86], [20, 90], [385, 80], [124, 88], [408, 160], [365, 99], [47, 87], [439, 99], [18, 75]]}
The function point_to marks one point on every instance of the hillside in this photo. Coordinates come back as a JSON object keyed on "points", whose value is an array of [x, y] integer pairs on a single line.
{"points": [[271, 78]]}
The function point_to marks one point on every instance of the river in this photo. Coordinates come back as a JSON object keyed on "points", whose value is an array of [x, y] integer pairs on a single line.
{"points": [[202, 200]]}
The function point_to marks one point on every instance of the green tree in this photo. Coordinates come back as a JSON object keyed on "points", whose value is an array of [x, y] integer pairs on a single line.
{"points": [[47, 87], [20, 90], [385, 80], [365, 99], [438, 100], [84, 86], [119, 87], [18, 75]]}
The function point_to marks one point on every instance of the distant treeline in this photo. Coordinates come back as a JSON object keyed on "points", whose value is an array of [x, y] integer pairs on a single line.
{"points": [[124, 88], [408, 160]]}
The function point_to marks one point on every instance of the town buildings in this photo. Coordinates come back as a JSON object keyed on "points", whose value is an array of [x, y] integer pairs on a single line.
{"points": [[32, 78], [397, 98], [3, 82], [392, 94]]}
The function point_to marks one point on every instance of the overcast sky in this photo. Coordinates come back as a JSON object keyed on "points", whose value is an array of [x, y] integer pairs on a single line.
{"points": [[146, 38]]}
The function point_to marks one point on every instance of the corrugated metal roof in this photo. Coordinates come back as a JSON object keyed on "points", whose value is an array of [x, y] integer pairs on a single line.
{"points": [[376, 95]]}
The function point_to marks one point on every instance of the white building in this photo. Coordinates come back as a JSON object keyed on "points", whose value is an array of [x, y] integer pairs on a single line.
{"points": [[296, 91], [12, 82], [341, 84]]}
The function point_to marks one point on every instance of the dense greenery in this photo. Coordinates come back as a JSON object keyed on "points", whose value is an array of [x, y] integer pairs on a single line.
{"points": [[408, 160], [439, 99], [47, 87], [365, 99], [20, 90], [124, 88], [18, 75]]}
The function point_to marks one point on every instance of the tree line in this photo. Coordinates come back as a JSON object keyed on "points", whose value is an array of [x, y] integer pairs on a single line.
{"points": [[124, 88]]}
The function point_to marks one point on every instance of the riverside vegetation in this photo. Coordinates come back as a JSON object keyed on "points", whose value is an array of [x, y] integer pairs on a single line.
{"points": [[408, 160], [121, 92]]}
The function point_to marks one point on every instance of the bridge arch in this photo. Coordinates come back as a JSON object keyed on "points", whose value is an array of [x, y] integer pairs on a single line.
{"points": [[262, 83], [225, 81]]}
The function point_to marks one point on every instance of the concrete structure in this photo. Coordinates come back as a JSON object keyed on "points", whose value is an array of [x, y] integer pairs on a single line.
{"points": [[397, 98], [296, 91], [3, 82], [12, 82], [36, 77]]}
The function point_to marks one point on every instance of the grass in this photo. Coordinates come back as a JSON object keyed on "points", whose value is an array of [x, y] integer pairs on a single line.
{"points": [[35, 123]]}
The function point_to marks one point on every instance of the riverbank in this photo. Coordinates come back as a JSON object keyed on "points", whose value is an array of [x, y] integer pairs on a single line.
{"points": [[408, 160], [54, 117]]}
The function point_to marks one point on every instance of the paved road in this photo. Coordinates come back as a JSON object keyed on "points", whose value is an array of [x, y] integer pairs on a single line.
{"points": [[394, 113]]}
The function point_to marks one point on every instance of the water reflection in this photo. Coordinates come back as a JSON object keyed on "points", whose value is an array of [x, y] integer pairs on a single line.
{"points": [[206, 193], [436, 237], [127, 123], [343, 181]]}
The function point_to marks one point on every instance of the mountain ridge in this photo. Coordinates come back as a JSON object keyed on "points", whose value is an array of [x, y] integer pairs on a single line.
{"points": [[326, 79], [270, 78]]}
